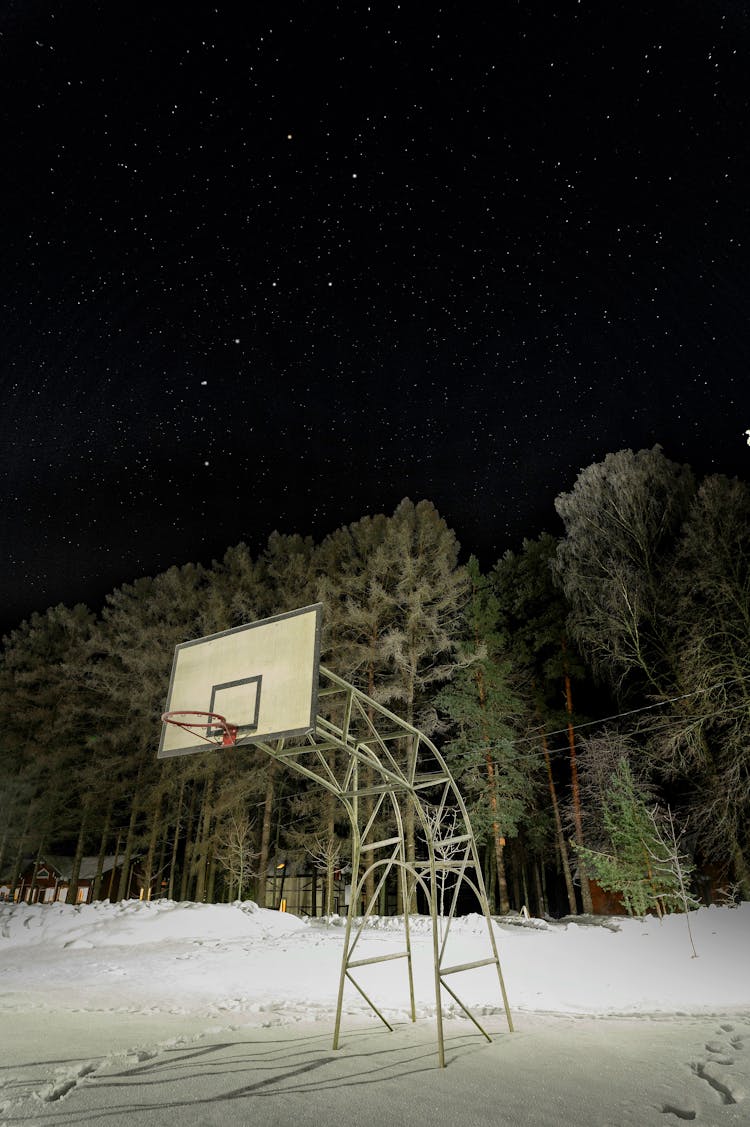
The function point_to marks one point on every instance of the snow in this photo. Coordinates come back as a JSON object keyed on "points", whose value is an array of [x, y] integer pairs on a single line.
{"points": [[158, 1013]]}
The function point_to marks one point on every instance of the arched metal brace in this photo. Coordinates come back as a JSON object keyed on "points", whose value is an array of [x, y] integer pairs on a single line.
{"points": [[396, 788]]}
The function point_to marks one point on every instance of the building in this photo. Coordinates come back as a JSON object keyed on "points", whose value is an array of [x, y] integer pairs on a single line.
{"points": [[299, 887], [51, 880]]}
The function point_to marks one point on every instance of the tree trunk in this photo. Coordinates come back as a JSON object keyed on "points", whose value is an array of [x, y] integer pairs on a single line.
{"points": [[113, 870], [200, 860], [515, 879], [540, 905], [102, 852], [148, 875], [329, 885], [265, 833], [490, 867], [211, 863], [577, 820], [330, 840], [497, 837], [72, 894], [3, 845], [160, 866], [525, 884], [124, 885], [37, 863], [187, 857], [176, 842], [18, 863], [562, 847], [740, 867]]}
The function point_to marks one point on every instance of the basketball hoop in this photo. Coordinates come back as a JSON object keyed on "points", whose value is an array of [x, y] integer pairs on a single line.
{"points": [[208, 726]]}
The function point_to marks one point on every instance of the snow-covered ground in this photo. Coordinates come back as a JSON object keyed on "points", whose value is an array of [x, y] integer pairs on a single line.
{"points": [[151, 1013]]}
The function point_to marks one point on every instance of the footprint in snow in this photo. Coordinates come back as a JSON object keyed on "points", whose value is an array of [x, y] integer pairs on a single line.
{"points": [[680, 1112], [59, 1090], [725, 1085], [720, 1052], [142, 1054]]}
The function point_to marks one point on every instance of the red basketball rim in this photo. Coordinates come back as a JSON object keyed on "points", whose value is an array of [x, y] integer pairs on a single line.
{"points": [[203, 720]]}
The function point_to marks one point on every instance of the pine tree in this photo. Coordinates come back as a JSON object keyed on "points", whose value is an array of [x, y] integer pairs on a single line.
{"points": [[635, 862], [130, 655], [534, 615], [484, 711], [47, 719], [236, 592]]}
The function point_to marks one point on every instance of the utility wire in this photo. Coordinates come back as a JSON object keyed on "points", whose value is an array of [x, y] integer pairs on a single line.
{"points": [[542, 734], [533, 756]]}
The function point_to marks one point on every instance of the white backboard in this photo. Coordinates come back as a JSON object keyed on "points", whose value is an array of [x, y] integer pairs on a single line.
{"points": [[262, 678]]}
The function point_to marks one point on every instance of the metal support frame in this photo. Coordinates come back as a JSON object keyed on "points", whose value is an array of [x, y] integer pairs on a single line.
{"points": [[386, 758]]}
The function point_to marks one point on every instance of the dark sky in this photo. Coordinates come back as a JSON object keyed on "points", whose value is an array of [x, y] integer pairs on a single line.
{"points": [[280, 265]]}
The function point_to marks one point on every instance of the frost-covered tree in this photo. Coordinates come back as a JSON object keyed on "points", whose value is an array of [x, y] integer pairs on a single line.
{"points": [[236, 591], [356, 581], [707, 743], [356, 577], [427, 590], [622, 521]]}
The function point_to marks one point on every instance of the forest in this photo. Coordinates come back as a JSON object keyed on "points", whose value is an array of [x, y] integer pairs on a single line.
{"points": [[590, 692]]}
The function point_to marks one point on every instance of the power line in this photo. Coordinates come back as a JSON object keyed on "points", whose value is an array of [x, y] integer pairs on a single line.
{"points": [[630, 712], [665, 725], [532, 756]]}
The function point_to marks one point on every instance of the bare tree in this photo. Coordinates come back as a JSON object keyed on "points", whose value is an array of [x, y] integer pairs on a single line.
{"points": [[666, 853], [444, 825], [326, 856], [621, 521], [234, 850]]}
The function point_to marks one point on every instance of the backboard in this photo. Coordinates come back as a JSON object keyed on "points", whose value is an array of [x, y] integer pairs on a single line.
{"points": [[262, 677]]}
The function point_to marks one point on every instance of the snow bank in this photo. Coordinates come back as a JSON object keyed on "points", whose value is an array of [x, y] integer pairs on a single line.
{"points": [[632, 966], [203, 958], [103, 924]]}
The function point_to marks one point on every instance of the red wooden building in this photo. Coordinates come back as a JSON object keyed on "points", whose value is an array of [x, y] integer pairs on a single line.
{"points": [[48, 880]]}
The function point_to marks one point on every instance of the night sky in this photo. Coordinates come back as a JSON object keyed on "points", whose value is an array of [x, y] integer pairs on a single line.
{"points": [[280, 265]]}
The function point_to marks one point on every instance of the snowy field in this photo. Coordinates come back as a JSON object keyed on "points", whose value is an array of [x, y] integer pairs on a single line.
{"points": [[162, 1013]]}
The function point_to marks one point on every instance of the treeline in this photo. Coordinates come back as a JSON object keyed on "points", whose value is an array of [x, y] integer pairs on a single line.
{"points": [[639, 613]]}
